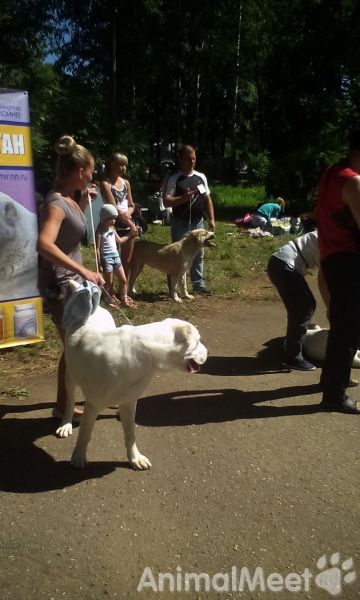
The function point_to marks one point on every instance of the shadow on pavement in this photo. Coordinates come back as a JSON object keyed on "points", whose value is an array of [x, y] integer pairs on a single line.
{"points": [[26, 468], [268, 360], [220, 405]]}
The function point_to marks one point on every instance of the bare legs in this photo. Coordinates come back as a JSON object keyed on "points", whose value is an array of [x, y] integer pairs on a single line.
{"points": [[61, 395]]}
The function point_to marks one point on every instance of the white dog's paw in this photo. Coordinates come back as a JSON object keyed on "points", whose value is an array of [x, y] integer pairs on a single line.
{"points": [[78, 461], [64, 430], [189, 297], [177, 299], [140, 462]]}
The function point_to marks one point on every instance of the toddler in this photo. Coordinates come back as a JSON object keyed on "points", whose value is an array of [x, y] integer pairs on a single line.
{"points": [[107, 242]]}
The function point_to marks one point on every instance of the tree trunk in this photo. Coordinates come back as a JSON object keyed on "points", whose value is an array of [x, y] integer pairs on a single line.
{"points": [[113, 62], [233, 133]]}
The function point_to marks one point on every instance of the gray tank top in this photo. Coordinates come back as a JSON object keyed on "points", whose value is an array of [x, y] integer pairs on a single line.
{"points": [[71, 232]]}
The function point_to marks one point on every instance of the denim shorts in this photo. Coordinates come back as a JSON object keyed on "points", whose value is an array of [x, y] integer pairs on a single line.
{"points": [[109, 263]]}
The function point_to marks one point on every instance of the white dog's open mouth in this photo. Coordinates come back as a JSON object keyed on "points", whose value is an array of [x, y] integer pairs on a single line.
{"points": [[192, 366]]}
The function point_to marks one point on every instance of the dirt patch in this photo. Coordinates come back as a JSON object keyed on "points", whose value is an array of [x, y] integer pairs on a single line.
{"points": [[246, 473]]}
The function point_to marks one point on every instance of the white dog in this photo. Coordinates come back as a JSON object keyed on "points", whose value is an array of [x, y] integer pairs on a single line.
{"points": [[315, 345], [114, 365]]}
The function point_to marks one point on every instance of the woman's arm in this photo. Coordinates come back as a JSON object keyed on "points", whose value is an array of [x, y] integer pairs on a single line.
{"points": [[125, 218], [131, 202], [351, 195], [125, 238], [89, 193], [49, 250], [106, 193]]}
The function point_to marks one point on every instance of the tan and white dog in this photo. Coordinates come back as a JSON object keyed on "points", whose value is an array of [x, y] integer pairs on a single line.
{"points": [[315, 345], [114, 365], [173, 259]]}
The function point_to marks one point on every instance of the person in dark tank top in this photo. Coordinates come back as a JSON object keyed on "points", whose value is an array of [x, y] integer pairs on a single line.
{"points": [[338, 221]]}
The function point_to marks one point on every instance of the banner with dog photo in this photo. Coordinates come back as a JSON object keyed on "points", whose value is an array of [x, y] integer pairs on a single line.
{"points": [[20, 303]]}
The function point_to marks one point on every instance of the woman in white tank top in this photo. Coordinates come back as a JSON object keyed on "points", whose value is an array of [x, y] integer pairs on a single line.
{"points": [[117, 191]]}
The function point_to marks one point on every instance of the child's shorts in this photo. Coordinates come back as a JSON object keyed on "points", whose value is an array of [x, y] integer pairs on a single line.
{"points": [[109, 263]]}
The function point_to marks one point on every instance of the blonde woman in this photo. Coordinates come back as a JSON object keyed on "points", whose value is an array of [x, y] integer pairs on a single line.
{"points": [[116, 190], [62, 227]]}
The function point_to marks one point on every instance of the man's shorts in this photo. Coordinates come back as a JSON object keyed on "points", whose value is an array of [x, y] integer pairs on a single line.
{"points": [[109, 263]]}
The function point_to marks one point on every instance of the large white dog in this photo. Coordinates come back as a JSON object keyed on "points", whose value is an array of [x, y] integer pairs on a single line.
{"points": [[114, 365], [315, 345]]}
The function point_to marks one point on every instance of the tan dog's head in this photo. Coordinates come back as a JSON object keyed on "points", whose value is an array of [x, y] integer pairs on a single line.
{"points": [[201, 238]]}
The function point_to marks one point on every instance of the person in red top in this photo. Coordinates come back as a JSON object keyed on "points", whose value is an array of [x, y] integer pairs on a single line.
{"points": [[338, 222]]}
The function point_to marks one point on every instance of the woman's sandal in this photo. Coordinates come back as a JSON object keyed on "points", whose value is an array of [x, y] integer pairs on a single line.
{"points": [[128, 303], [113, 306], [112, 302]]}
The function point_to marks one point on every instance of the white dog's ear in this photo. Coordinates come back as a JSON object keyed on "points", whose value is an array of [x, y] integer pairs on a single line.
{"points": [[74, 285], [184, 333]]}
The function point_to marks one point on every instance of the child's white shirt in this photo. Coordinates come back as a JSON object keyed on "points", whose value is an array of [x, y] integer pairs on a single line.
{"points": [[108, 245]]}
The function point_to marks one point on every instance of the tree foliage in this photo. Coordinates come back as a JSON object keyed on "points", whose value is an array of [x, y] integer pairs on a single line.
{"points": [[275, 84]]}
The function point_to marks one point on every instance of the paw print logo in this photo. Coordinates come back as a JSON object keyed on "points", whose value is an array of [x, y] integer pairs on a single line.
{"points": [[334, 574]]}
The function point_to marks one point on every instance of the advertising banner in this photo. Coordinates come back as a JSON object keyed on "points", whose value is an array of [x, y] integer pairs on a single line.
{"points": [[20, 304]]}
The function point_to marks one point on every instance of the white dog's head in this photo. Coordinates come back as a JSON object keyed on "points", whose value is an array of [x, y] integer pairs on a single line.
{"points": [[195, 352], [186, 349], [172, 344]]}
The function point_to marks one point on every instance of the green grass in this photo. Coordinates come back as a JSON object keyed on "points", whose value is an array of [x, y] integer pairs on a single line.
{"points": [[232, 268], [233, 201], [13, 392], [229, 201]]}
